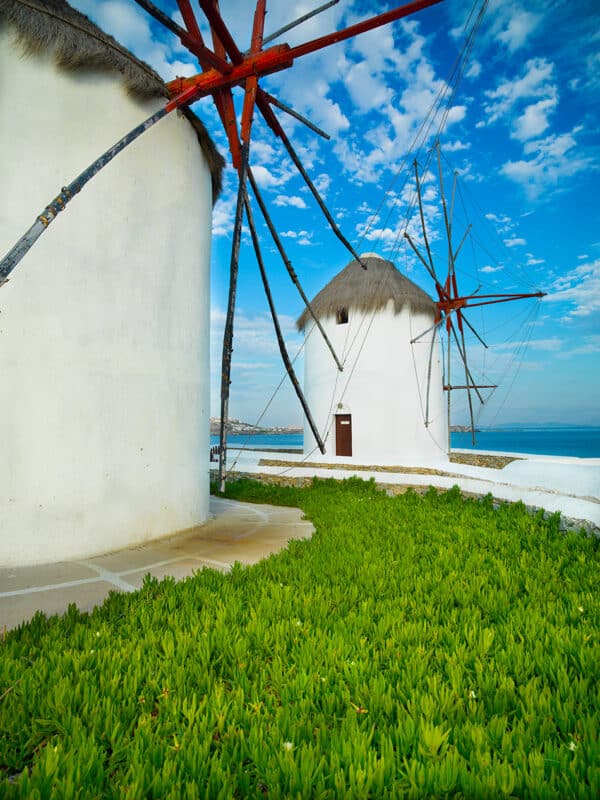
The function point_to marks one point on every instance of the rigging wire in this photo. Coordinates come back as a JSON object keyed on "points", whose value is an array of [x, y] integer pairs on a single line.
{"points": [[445, 97], [487, 223], [448, 93], [521, 350], [423, 132], [516, 359], [244, 446], [457, 72]]}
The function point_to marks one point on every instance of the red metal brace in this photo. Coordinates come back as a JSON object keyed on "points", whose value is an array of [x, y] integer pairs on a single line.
{"points": [[223, 98], [252, 81], [220, 30], [205, 56], [456, 303]]}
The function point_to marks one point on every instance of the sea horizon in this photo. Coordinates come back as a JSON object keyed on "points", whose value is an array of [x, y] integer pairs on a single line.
{"points": [[582, 441]]}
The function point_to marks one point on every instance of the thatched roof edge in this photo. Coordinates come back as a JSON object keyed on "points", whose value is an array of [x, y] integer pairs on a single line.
{"points": [[78, 43], [356, 289]]}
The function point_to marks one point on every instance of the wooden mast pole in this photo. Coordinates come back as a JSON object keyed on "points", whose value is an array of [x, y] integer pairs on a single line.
{"points": [[246, 127], [228, 333], [280, 341], [449, 395]]}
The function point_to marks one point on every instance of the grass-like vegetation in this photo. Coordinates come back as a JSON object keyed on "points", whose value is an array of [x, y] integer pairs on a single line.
{"points": [[416, 646]]}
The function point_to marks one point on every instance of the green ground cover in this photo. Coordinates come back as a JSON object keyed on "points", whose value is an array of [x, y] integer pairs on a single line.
{"points": [[417, 646]]}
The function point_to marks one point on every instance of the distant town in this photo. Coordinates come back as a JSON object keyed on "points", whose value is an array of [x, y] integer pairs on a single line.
{"points": [[235, 426]]}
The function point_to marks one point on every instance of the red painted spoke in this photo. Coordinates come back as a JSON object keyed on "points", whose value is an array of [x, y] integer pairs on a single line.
{"points": [[252, 82], [205, 56], [218, 26]]}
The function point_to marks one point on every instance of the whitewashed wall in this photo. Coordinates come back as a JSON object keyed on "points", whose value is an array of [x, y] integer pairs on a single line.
{"points": [[104, 325], [383, 387]]}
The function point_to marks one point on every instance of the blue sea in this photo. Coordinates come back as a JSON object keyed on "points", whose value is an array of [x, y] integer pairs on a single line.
{"points": [[583, 442], [278, 441]]}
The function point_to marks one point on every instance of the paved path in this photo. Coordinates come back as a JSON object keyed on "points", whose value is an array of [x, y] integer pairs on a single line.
{"points": [[236, 532]]}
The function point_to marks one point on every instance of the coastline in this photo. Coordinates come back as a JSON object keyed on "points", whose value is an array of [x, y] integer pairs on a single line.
{"points": [[565, 441]]}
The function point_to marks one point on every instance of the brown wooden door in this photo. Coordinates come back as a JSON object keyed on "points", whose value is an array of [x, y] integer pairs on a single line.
{"points": [[343, 435]]}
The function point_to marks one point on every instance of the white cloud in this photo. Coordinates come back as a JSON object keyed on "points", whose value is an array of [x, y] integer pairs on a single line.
{"points": [[474, 70], [532, 261], [551, 160], [502, 223], [580, 287], [517, 29], [551, 344], [257, 369], [262, 152], [131, 27], [254, 337], [456, 114], [489, 268], [329, 115], [301, 237], [366, 89], [384, 235], [590, 346], [265, 178], [252, 366], [389, 50], [592, 71], [289, 200], [536, 81], [514, 241], [223, 214], [454, 147], [534, 119], [322, 183], [398, 62]]}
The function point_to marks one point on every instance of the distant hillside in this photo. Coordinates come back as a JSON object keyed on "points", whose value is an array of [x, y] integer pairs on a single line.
{"points": [[235, 426]]}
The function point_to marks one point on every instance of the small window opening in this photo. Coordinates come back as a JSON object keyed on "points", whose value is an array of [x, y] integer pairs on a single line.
{"points": [[342, 316]]}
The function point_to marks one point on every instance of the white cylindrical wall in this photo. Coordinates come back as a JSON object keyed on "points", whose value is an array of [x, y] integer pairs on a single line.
{"points": [[383, 387], [104, 325]]}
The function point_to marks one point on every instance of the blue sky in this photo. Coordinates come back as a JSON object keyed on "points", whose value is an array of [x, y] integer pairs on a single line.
{"points": [[522, 132]]}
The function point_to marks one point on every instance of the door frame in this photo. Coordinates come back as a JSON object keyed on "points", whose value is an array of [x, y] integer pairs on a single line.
{"points": [[345, 420]]}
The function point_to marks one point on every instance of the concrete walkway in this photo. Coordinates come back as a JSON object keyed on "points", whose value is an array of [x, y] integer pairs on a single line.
{"points": [[236, 532]]}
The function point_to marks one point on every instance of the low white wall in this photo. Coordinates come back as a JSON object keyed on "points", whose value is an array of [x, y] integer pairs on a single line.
{"points": [[383, 386], [104, 325]]}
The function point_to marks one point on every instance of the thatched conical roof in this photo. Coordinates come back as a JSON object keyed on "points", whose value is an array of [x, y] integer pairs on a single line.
{"points": [[371, 289], [77, 43]]}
